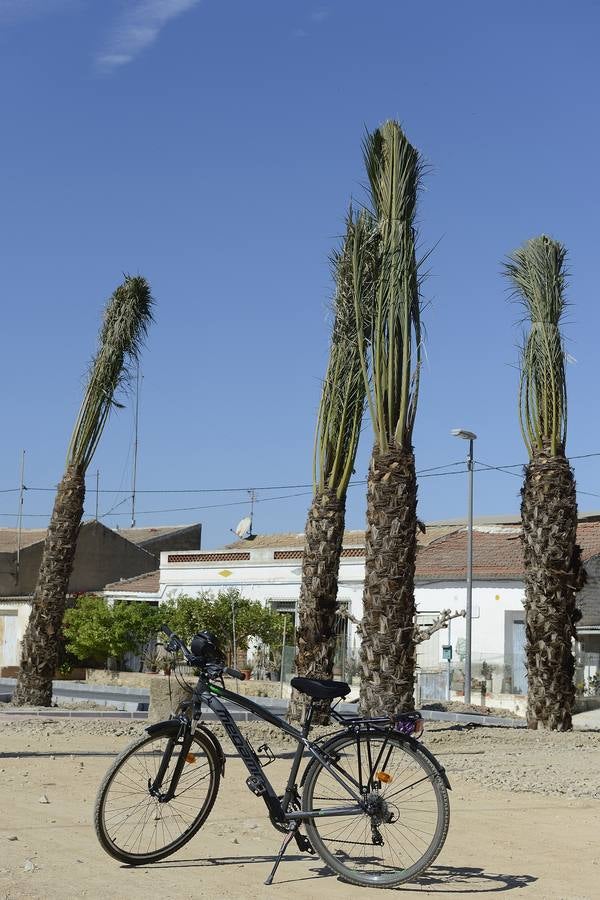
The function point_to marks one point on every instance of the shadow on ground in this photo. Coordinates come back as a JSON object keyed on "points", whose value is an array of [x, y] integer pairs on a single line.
{"points": [[437, 879], [470, 880]]}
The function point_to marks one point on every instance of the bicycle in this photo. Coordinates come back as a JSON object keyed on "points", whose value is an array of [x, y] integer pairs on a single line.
{"points": [[386, 789]]}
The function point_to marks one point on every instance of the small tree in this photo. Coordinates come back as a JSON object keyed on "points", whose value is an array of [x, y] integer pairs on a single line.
{"points": [[336, 442], [207, 612], [93, 628], [392, 369], [127, 317], [553, 568]]}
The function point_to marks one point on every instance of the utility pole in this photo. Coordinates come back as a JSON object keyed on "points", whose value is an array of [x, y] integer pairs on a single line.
{"points": [[469, 436], [135, 442], [233, 632], [20, 515], [282, 656], [252, 501], [97, 491]]}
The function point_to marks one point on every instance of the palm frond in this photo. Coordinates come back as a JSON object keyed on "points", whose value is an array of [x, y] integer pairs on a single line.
{"points": [[127, 317], [343, 395], [394, 169], [538, 274]]}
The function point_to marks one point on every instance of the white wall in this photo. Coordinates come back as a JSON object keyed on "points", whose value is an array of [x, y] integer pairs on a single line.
{"points": [[490, 602], [263, 578], [12, 629]]}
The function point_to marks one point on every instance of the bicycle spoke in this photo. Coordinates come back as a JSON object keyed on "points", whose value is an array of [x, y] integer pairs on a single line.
{"points": [[138, 824], [400, 821]]}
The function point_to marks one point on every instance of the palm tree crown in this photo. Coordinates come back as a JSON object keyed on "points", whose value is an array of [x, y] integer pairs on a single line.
{"points": [[537, 272]]}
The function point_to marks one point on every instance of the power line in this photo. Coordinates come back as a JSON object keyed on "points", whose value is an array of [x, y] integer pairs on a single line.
{"points": [[229, 490], [430, 472], [505, 469], [284, 487]]}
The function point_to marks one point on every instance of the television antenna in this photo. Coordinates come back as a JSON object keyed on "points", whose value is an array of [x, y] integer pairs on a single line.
{"points": [[243, 528]]}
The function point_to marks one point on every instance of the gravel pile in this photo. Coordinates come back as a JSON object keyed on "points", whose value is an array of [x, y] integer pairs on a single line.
{"points": [[497, 758], [456, 707], [64, 704]]}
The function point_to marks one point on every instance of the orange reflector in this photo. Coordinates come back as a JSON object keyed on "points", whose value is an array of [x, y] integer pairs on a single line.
{"points": [[383, 776], [190, 758]]}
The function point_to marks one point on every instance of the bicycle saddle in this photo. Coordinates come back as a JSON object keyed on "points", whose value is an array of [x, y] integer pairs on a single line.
{"points": [[320, 688]]}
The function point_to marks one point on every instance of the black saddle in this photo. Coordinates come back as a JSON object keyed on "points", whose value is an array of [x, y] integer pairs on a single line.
{"points": [[320, 688]]}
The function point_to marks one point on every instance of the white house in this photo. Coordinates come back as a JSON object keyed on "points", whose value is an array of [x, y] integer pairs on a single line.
{"points": [[268, 568]]}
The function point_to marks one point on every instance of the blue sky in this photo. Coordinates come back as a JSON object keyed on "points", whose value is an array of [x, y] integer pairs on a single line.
{"points": [[214, 147]]}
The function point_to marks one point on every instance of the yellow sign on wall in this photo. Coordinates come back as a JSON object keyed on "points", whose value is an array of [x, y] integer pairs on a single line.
{"points": [[225, 573]]}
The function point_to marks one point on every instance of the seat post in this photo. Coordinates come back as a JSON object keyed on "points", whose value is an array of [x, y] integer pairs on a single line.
{"points": [[308, 718]]}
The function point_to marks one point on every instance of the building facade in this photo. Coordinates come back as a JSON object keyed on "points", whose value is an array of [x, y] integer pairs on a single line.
{"points": [[103, 555], [269, 569]]}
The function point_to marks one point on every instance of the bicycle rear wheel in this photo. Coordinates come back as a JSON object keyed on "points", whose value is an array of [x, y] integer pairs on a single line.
{"points": [[408, 813], [136, 827]]}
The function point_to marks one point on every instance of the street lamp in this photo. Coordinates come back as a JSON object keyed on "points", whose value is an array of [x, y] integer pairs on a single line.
{"points": [[469, 436]]}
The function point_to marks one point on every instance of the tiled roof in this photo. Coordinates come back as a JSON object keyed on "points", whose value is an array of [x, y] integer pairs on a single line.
{"points": [[29, 536], [142, 535], [148, 583], [496, 552], [288, 540], [291, 540]]}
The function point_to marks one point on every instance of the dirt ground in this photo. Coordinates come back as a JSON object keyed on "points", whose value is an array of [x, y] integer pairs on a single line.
{"points": [[525, 819]]}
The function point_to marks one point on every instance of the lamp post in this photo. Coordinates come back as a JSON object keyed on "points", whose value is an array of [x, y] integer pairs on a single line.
{"points": [[469, 436]]}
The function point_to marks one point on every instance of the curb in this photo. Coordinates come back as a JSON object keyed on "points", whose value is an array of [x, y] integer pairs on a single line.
{"points": [[243, 716]]}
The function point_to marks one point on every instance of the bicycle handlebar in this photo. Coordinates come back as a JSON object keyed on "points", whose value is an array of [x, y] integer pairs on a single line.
{"points": [[235, 673], [177, 644]]}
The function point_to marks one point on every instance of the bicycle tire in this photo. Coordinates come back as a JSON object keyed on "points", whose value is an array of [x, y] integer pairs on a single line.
{"points": [[148, 809], [327, 834]]}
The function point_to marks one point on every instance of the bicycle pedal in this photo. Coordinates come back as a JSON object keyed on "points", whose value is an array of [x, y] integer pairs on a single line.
{"points": [[256, 785], [304, 845]]}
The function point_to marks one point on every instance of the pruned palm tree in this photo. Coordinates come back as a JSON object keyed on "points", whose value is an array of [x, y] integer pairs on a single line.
{"points": [[391, 372], [553, 568], [126, 320], [336, 441]]}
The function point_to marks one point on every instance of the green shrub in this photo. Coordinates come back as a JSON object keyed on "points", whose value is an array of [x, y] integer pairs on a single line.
{"points": [[207, 612], [94, 628]]}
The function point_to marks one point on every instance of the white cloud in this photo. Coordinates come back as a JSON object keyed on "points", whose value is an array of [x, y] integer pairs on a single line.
{"points": [[138, 28], [320, 15]]}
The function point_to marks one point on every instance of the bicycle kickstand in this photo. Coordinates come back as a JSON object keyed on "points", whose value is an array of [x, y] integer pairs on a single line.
{"points": [[282, 850]]}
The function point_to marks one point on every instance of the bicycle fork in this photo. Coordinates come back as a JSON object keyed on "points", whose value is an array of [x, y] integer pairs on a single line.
{"points": [[154, 787]]}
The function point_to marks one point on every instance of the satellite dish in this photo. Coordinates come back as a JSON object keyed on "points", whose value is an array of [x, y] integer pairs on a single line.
{"points": [[244, 528]]}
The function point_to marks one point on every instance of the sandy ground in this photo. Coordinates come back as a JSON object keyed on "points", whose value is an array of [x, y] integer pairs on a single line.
{"points": [[525, 819]]}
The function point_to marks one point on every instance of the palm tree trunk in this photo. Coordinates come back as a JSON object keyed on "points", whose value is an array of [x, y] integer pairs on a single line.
{"points": [[39, 651], [388, 647], [553, 575], [315, 636]]}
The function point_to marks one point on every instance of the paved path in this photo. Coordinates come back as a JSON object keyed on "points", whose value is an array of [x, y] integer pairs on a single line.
{"points": [[587, 720]]}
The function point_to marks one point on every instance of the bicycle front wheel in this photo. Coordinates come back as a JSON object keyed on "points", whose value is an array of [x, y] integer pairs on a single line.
{"points": [[407, 813], [137, 826]]}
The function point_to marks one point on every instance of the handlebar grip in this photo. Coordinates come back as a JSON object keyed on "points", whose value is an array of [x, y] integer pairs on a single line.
{"points": [[235, 673], [166, 630]]}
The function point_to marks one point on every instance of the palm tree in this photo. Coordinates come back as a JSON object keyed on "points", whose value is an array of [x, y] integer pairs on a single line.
{"points": [[553, 568], [338, 430], [393, 363], [126, 320]]}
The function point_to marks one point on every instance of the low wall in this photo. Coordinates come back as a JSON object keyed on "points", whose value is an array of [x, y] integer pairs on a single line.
{"points": [[120, 679], [76, 674], [252, 688]]}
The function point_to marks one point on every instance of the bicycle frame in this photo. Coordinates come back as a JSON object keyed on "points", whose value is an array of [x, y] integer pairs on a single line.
{"points": [[279, 810]]}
